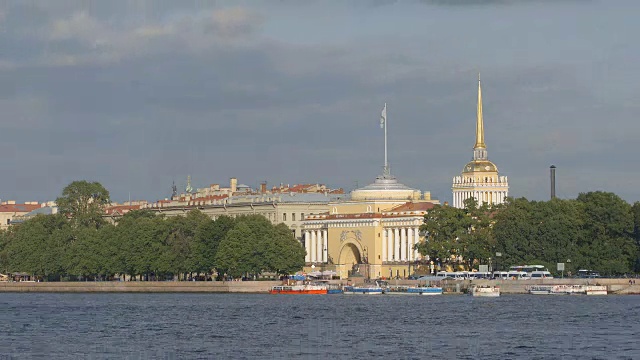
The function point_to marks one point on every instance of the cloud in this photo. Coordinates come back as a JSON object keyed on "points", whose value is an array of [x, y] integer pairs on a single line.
{"points": [[80, 37], [139, 101], [493, 2]]}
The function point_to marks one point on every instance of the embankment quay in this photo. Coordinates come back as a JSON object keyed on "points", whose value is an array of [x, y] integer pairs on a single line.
{"points": [[614, 286], [141, 287]]}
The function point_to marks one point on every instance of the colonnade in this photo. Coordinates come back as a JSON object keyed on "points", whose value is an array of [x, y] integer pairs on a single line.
{"points": [[398, 242], [315, 243], [491, 197]]}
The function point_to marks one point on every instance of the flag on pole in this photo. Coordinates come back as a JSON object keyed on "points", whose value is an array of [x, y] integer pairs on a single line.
{"points": [[383, 116]]}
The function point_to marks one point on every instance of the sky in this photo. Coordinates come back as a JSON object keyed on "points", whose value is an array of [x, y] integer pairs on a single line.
{"points": [[138, 94]]}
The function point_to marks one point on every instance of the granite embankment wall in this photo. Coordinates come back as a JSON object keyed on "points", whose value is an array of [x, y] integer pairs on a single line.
{"points": [[614, 286], [141, 287]]}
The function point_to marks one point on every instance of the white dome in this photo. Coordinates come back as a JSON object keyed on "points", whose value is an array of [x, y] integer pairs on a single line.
{"points": [[385, 188]]}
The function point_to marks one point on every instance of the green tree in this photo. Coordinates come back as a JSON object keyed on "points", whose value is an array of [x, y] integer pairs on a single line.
{"points": [[444, 227], [37, 246], [83, 254], [477, 245], [207, 238], [608, 246], [84, 203], [234, 256], [514, 230], [284, 255], [636, 234]]}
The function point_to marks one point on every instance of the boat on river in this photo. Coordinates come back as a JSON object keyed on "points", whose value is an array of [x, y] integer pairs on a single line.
{"points": [[555, 289], [363, 290], [333, 289], [413, 290], [306, 289], [485, 291], [595, 290], [567, 290]]}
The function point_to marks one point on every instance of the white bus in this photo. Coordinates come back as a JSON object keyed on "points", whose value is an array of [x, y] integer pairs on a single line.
{"points": [[532, 271]]}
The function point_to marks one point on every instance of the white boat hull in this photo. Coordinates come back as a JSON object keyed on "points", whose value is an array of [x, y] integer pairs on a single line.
{"points": [[485, 291], [596, 290], [355, 290], [568, 290], [421, 291]]}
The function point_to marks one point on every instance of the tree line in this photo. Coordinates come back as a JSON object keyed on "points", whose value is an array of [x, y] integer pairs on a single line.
{"points": [[78, 244], [596, 231]]}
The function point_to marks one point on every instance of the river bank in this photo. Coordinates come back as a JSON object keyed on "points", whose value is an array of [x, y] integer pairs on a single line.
{"points": [[141, 287], [614, 286]]}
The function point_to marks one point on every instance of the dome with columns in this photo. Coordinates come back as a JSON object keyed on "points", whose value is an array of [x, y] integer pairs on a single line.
{"points": [[479, 178], [385, 188], [479, 166]]}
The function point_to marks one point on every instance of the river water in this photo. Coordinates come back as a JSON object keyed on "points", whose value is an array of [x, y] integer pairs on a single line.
{"points": [[247, 326]]}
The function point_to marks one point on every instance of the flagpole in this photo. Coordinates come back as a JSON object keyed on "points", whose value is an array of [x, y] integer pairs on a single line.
{"points": [[386, 164]]}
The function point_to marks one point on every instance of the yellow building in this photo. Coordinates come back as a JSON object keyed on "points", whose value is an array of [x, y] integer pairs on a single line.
{"points": [[479, 178], [371, 235]]}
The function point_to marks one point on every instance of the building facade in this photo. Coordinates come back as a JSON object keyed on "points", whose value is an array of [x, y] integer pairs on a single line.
{"points": [[9, 211], [374, 234], [287, 208], [480, 178], [371, 239]]}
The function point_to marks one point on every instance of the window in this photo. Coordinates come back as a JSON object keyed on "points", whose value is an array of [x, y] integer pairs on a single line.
{"points": [[301, 216], [294, 232], [284, 216], [293, 216]]}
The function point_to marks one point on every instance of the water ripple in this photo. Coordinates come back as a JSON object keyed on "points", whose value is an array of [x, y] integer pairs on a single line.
{"points": [[243, 326]]}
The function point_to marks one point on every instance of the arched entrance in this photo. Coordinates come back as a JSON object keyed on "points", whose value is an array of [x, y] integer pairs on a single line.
{"points": [[350, 255], [350, 259]]}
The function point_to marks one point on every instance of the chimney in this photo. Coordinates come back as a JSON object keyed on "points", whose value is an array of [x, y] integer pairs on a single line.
{"points": [[233, 184], [552, 169], [263, 187]]}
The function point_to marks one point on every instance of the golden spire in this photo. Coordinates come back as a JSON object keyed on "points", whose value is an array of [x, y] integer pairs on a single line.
{"points": [[479, 121]]}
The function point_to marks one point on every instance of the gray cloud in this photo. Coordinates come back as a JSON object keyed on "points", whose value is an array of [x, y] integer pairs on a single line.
{"points": [[212, 92], [493, 2]]}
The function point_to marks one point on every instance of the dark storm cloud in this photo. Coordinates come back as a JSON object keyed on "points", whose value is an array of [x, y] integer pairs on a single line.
{"points": [[139, 94]]}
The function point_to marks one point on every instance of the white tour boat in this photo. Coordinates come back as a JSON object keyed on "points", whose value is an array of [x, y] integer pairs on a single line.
{"points": [[595, 290], [567, 290], [485, 291], [362, 290], [413, 290]]}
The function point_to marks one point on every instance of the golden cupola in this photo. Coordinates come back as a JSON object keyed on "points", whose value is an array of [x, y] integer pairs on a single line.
{"points": [[480, 162], [479, 178]]}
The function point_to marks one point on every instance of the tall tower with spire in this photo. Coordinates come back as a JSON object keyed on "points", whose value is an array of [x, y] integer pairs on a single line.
{"points": [[479, 178]]}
